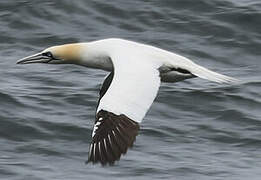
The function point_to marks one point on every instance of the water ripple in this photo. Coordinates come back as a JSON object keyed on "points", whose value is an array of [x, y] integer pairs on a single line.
{"points": [[194, 130]]}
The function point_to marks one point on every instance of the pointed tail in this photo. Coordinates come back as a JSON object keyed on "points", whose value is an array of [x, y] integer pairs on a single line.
{"points": [[207, 74]]}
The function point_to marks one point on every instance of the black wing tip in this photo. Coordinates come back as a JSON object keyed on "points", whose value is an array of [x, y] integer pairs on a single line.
{"points": [[108, 158], [106, 162], [112, 138]]}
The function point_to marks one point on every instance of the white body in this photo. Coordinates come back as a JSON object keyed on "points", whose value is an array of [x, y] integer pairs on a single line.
{"points": [[128, 92], [137, 70]]}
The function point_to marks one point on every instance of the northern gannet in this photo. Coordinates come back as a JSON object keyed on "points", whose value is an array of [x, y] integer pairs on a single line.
{"points": [[127, 93]]}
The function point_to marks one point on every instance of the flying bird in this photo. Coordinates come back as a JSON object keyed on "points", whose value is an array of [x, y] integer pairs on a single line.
{"points": [[136, 71]]}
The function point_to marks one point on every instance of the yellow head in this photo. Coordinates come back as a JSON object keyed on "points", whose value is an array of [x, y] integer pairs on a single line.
{"points": [[63, 54]]}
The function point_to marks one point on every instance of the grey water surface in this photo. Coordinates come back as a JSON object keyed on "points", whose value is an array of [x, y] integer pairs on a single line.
{"points": [[194, 130]]}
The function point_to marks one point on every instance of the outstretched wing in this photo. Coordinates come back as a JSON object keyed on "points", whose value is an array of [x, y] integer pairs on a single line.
{"points": [[125, 97]]}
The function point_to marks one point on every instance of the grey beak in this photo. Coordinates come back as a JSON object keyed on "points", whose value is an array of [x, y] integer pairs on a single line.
{"points": [[36, 58]]}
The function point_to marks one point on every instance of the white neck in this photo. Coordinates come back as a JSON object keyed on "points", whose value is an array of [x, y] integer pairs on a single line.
{"points": [[95, 55]]}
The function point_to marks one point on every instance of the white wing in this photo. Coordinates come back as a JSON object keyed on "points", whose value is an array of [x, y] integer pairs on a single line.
{"points": [[122, 107], [133, 89]]}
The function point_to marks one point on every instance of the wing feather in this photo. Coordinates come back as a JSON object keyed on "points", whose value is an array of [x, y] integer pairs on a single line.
{"points": [[125, 97], [132, 90]]}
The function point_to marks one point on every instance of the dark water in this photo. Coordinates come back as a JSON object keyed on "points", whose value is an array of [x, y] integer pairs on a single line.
{"points": [[194, 130]]}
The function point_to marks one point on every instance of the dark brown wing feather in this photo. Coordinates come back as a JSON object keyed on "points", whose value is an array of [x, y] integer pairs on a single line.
{"points": [[113, 135]]}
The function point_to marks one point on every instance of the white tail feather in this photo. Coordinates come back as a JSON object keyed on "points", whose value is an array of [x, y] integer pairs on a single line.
{"points": [[207, 74]]}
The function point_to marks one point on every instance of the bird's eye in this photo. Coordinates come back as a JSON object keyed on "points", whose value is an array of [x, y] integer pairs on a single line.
{"points": [[48, 54]]}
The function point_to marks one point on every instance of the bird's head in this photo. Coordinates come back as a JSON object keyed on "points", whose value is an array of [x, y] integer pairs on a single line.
{"points": [[63, 54]]}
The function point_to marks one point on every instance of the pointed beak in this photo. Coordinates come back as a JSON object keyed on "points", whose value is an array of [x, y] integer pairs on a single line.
{"points": [[36, 58]]}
